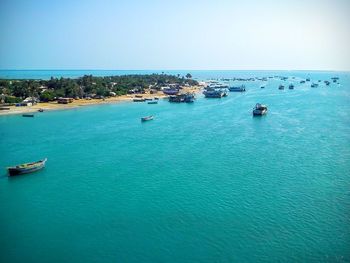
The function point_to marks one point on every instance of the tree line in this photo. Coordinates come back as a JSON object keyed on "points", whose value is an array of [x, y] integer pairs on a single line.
{"points": [[47, 90]]}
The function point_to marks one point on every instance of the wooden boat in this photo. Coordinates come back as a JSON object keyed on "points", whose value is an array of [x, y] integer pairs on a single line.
{"points": [[28, 115], [138, 100], [237, 89], [152, 102], [147, 118], [259, 110], [27, 167]]}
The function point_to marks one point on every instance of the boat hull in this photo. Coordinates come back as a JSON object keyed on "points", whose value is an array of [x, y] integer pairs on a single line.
{"points": [[26, 170]]}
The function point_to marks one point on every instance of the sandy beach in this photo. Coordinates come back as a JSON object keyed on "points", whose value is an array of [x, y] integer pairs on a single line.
{"points": [[48, 106]]}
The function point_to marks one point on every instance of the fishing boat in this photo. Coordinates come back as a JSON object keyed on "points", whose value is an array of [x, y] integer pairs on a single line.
{"points": [[237, 89], [147, 118], [281, 87], [188, 98], [28, 115], [138, 100], [170, 91], [152, 102], [259, 110], [27, 167], [214, 93], [291, 86]]}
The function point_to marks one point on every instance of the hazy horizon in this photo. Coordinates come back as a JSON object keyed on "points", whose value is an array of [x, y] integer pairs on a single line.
{"points": [[175, 35]]}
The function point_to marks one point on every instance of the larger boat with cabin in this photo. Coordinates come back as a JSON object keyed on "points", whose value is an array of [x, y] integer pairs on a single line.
{"points": [[214, 93], [259, 110], [27, 167]]}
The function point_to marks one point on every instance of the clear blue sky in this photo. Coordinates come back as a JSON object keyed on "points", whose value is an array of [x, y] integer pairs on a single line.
{"points": [[102, 34]]}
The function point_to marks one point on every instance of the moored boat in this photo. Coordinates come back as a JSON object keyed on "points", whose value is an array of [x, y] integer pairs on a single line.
{"points": [[259, 109], [291, 86], [147, 118], [214, 93], [237, 89], [188, 98], [314, 85], [281, 87], [26, 167], [138, 100], [153, 102], [40, 110], [27, 115]]}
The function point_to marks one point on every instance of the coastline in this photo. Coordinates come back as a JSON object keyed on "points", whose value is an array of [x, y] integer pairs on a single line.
{"points": [[50, 106]]}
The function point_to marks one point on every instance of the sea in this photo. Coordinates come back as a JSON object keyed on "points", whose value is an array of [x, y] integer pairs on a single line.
{"points": [[202, 182]]}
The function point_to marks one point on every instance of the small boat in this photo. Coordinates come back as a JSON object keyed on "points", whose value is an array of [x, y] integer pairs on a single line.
{"points": [[28, 115], [27, 167], [302, 81], [291, 86], [314, 85], [156, 98], [152, 102], [327, 82], [259, 109], [262, 87], [148, 99], [237, 89], [138, 100], [40, 110], [308, 79], [147, 118], [281, 87]]}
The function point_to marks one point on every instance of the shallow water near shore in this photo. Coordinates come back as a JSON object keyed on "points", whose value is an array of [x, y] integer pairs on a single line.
{"points": [[202, 182]]}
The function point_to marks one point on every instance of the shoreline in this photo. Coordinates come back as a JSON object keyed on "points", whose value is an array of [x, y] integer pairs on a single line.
{"points": [[51, 106]]}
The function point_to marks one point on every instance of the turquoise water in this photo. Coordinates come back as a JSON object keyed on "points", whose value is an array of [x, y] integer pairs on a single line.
{"points": [[204, 182]]}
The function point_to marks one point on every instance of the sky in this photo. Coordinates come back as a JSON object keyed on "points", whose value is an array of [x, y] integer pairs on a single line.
{"points": [[175, 34]]}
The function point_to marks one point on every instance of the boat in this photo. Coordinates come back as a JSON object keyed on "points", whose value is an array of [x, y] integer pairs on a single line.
{"points": [[302, 81], [40, 110], [314, 85], [259, 109], [170, 91], [262, 87], [214, 93], [237, 89], [138, 100], [27, 167], [152, 102], [188, 98], [147, 118], [27, 115], [281, 87], [149, 99], [307, 79], [291, 86], [327, 82]]}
